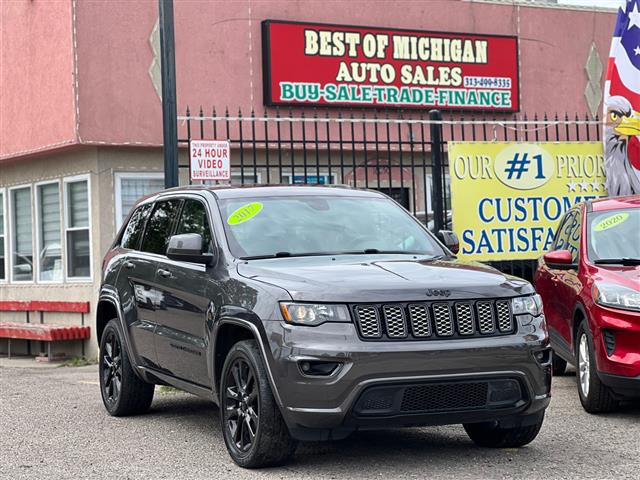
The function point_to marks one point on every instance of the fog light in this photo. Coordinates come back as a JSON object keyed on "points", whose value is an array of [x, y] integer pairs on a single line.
{"points": [[318, 368], [504, 392], [543, 356]]}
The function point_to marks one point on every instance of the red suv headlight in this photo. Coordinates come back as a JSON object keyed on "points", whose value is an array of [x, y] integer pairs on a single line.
{"points": [[616, 296]]}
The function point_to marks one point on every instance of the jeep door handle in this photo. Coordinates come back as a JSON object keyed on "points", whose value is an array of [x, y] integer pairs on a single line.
{"points": [[129, 265], [165, 273]]}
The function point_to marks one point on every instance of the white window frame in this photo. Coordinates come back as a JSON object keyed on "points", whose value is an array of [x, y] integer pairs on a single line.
{"points": [[5, 230], [248, 172], [34, 273], [428, 183], [38, 233], [117, 187], [65, 196]]}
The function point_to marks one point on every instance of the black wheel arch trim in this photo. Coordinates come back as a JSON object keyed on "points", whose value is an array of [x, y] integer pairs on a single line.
{"points": [[111, 296], [259, 339], [574, 327]]}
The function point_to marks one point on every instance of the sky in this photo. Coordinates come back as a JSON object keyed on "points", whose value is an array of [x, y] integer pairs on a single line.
{"points": [[592, 3]]}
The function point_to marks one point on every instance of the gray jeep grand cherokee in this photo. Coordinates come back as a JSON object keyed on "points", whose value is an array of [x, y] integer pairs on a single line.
{"points": [[307, 313]]}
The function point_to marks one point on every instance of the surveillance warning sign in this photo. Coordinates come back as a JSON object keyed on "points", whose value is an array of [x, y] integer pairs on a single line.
{"points": [[210, 160], [349, 66]]}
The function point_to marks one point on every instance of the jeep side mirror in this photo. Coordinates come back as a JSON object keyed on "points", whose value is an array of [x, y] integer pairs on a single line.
{"points": [[559, 259], [450, 240], [188, 247]]}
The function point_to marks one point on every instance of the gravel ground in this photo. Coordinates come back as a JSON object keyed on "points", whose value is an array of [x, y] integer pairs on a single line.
{"points": [[53, 425]]}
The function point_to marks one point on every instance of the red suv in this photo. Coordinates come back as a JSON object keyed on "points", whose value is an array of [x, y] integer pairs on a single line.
{"points": [[590, 286]]}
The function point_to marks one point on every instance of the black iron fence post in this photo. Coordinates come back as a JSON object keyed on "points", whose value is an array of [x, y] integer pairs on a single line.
{"points": [[436, 175]]}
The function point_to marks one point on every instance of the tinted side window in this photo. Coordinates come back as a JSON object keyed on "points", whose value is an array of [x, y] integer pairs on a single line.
{"points": [[135, 227], [156, 236], [194, 220]]}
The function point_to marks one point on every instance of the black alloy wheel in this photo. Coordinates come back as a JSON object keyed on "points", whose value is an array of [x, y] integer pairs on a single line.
{"points": [[241, 404], [254, 431], [123, 391], [111, 368]]}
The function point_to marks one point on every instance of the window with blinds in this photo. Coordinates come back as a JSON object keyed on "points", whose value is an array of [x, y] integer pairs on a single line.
{"points": [[49, 241], [133, 188], [3, 260], [78, 245], [22, 238]]}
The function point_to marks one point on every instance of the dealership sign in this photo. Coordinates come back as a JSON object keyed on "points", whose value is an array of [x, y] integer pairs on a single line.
{"points": [[335, 65], [507, 198], [209, 160]]}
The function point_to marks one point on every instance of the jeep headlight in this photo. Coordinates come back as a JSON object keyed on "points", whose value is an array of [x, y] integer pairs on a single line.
{"points": [[531, 305], [313, 314], [616, 296]]}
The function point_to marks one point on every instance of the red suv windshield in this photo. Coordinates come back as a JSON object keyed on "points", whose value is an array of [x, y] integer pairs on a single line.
{"points": [[614, 234]]}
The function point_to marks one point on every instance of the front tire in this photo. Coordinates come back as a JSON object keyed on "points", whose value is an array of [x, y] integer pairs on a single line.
{"points": [[252, 425], [595, 396], [491, 435], [123, 392]]}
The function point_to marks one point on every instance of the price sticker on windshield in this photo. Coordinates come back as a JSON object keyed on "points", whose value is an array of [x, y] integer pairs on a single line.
{"points": [[610, 222], [209, 160], [244, 213]]}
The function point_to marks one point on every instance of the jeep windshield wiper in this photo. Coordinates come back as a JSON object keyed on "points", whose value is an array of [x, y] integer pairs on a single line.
{"points": [[373, 251], [286, 255], [626, 261], [368, 251]]}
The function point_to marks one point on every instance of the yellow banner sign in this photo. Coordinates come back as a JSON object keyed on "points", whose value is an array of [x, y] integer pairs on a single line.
{"points": [[507, 197]]}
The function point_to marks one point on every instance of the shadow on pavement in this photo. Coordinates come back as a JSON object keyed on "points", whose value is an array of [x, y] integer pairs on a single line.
{"points": [[431, 447], [425, 446]]}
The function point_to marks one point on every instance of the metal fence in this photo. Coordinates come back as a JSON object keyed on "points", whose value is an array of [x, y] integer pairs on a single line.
{"points": [[402, 154]]}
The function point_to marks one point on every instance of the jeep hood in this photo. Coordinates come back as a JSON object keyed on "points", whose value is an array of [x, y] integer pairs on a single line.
{"points": [[381, 278]]}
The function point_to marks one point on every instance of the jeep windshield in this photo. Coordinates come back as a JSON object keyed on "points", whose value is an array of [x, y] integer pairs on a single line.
{"points": [[287, 226]]}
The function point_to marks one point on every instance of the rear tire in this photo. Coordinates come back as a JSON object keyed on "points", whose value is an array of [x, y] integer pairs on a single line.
{"points": [[123, 392], [491, 435], [559, 365], [252, 425], [595, 396]]}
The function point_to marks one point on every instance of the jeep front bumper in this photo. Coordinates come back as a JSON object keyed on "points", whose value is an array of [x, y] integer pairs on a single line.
{"points": [[408, 383]]}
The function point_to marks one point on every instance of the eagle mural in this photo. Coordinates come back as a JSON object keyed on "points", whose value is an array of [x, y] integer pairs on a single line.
{"points": [[622, 147], [622, 104]]}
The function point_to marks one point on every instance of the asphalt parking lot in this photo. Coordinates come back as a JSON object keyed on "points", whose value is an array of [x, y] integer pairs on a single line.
{"points": [[53, 425]]}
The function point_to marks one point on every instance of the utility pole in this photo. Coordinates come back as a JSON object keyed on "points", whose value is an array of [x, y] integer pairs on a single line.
{"points": [[169, 112]]}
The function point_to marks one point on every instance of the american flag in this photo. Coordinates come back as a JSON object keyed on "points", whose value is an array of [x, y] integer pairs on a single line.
{"points": [[623, 69], [622, 103]]}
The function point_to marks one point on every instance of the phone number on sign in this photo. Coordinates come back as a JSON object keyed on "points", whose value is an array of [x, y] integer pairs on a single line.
{"points": [[493, 82]]}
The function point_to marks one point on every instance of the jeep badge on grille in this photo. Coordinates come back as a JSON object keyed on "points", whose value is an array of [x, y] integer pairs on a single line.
{"points": [[436, 292]]}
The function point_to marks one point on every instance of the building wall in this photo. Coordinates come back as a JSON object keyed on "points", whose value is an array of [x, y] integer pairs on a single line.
{"points": [[218, 58], [100, 164], [23, 173], [218, 53], [37, 83], [115, 127]]}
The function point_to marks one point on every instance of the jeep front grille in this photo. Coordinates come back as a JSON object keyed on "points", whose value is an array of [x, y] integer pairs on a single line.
{"points": [[420, 320], [368, 321], [434, 320], [394, 321]]}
